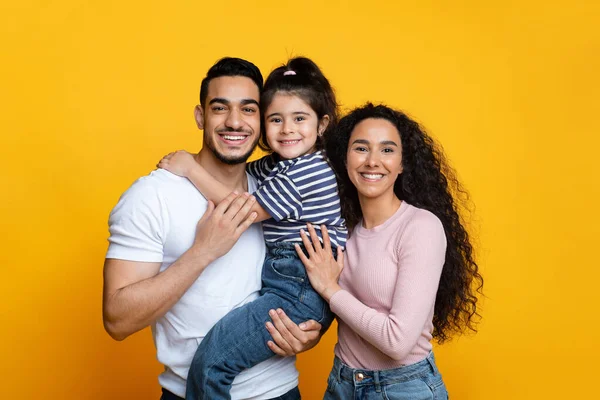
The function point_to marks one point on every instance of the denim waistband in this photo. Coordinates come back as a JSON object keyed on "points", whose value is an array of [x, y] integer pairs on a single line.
{"points": [[283, 248], [387, 376]]}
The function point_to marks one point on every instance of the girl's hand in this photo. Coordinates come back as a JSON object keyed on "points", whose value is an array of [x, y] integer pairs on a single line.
{"points": [[179, 163], [323, 270]]}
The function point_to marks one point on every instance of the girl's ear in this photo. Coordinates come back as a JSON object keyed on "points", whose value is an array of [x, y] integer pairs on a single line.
{"points": [[323, 123]]}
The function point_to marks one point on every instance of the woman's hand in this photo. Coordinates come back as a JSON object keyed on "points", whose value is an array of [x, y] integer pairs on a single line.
{"points": [[179, 163], [290, 339], [323, 270]]}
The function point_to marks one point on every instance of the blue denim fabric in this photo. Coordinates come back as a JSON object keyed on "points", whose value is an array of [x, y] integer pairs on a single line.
{"points": [[239, 340], [419, 381]]}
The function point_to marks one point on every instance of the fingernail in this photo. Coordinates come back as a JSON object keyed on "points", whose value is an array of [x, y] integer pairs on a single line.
{"points": [[271, 312], [302, 325], [279, 311], [302, 231]]}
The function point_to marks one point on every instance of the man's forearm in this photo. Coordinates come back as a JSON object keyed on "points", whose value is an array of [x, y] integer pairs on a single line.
{"points": [[137, 305]]}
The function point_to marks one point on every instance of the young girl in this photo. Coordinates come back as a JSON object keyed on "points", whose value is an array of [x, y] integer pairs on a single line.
{"points": [[296, 186]]}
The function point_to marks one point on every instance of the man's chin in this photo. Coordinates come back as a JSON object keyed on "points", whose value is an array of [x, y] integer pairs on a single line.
{"points": [[232, 160]]}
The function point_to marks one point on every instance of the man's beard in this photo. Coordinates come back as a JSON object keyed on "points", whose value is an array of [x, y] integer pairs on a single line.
{"points": [[233, 160]]}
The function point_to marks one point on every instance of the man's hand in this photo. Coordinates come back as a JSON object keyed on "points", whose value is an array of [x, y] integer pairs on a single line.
{"points": [[290, 339], [136, 294], [220, 228]]}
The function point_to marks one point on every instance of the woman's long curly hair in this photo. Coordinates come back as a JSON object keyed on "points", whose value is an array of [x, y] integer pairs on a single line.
{"points": [[427, 182]]}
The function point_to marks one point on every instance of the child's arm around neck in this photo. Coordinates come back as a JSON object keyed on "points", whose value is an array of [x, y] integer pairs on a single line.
{"points": [[183, 164]]}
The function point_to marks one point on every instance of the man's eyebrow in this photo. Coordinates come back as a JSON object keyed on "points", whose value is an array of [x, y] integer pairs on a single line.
{"points": [[219, 100], [227, 102], [245, 102]]}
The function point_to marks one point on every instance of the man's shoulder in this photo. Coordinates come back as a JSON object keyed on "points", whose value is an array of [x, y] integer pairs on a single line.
{"points": [[159, 187], [160, 178], [157, 181]]}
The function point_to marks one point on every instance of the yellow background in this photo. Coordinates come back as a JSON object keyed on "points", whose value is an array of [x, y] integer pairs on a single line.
{"points": [[95, 92]]}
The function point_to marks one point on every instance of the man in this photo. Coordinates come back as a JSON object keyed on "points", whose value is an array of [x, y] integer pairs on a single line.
{"points": [[178, 264]]}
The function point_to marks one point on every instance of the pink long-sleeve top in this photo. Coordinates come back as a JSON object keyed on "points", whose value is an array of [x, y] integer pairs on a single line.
{"points": [[389, 284]]}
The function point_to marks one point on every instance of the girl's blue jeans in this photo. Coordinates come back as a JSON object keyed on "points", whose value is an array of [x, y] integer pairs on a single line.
{"points": [[239, 340]]}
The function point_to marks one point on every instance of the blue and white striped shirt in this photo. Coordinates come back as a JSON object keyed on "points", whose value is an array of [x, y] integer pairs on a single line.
{"points": [[295, 192]]}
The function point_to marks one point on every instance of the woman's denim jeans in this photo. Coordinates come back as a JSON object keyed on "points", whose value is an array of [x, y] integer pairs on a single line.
{"points": [[419, 381], [239, 340]]}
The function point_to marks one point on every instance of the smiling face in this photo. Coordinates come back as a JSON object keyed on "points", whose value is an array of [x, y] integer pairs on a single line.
{"points": [[292, 126], [374, 158], [231, 118]]}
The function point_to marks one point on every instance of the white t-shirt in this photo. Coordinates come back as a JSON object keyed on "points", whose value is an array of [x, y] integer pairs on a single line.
{"points": [[155, 221]]}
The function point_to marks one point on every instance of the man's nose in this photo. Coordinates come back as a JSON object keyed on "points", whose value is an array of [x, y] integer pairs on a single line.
{"points": [[234, 119]]}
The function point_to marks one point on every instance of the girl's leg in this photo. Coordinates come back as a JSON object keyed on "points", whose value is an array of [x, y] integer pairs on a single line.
{"points": [[237, 342]]}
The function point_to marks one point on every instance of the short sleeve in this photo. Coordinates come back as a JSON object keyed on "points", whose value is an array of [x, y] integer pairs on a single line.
{"points": [[261, 168], [280, 197], [136, 226]]}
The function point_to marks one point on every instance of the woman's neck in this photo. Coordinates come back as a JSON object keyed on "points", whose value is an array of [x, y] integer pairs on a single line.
{"points": [[378, 210]]}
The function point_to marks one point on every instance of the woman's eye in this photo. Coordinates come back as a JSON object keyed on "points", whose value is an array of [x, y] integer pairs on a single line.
{"points": [[388, 150], [300, 119], [360, 149]]}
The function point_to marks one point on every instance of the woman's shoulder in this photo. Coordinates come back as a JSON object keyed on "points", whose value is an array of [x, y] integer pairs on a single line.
{"points": [[421, 219]]}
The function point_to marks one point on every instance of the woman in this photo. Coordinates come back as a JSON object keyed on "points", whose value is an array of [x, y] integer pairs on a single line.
{"points": [[408, 271]]}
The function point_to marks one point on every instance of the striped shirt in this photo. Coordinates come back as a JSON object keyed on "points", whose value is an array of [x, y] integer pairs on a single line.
{"points": [[295, 192]]}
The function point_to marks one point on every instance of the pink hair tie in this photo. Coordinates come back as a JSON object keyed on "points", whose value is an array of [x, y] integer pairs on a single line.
{"points": [[286, 73]]}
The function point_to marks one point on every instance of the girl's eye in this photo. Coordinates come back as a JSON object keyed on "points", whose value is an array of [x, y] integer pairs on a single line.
{"points": [[275, 120]]}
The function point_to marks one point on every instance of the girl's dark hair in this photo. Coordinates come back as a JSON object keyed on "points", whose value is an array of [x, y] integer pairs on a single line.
{"points": [[427, 182], [304, 79]]}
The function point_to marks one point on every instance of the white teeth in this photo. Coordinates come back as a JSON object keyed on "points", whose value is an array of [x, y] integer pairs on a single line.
{"points": [[373, 176], [289, 141], [227, 137]]}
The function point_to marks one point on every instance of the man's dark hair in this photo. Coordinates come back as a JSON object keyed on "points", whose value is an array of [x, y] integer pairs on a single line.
{"points": [[230, 66]]}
